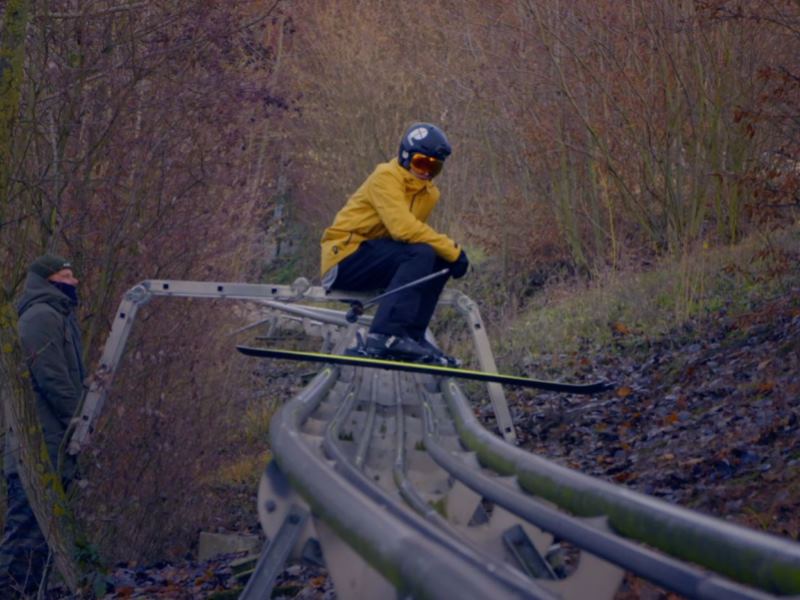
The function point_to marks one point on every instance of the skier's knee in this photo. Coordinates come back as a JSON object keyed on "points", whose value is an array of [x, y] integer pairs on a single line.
{"points": [[419, 252]]}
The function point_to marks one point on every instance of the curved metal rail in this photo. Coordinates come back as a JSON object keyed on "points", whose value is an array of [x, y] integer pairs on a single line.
{"points": [[359, 441], [410, 445], [317, 431], [755, 558]]}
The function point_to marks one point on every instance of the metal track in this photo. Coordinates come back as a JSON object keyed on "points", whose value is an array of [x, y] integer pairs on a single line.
{"points": [[319, 432], [366, 440], [408, 496], [410, 445]]}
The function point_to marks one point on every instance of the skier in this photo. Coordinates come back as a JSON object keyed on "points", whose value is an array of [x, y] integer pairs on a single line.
{"points": [[380, 240]]}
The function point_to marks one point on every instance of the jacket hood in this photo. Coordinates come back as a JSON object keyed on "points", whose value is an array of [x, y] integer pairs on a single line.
{"points": [[39, 290]]}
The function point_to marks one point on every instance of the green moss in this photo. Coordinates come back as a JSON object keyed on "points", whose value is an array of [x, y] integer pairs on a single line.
{"points": [[648, 305], [231, 594], [440, 506]]}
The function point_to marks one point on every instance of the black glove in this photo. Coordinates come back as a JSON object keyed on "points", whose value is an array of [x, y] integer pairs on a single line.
{"points": [[459, 267]]}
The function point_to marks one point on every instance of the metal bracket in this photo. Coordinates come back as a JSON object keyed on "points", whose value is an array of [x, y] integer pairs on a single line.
{"points": [[273, 558], [469, 310], [522, 548]]}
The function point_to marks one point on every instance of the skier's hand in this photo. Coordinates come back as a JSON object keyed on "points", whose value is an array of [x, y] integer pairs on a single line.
{"points": [[459, 267]]}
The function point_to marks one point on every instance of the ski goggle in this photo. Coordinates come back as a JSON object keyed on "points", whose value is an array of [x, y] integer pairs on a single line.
{"points": [[427, 165]]}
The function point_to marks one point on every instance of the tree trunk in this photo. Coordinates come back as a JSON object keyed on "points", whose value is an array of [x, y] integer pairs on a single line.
{"points": [[12, 62], [42, 484]]}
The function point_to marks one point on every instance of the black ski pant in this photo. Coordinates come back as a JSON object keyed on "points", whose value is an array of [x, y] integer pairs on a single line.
{"points": [[388, 264], [23, 551]]}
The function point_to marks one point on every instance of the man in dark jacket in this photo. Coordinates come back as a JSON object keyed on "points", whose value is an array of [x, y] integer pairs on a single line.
{"points": [[51, 343]]}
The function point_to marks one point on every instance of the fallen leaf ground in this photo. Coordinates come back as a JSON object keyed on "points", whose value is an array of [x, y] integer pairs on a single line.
{"points": [[707, 417]]}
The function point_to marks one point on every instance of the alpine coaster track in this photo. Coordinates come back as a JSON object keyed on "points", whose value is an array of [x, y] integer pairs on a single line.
{"points": [[389, 479]]}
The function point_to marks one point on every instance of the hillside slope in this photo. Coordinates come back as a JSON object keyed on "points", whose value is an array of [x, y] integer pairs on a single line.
{"points": [[706, 417]]}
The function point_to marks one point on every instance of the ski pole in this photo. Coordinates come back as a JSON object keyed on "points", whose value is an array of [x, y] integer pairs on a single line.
{"points": [[357, 307]]}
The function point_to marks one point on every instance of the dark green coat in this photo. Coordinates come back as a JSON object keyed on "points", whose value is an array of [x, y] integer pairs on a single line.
{"points": [[51, 343]]}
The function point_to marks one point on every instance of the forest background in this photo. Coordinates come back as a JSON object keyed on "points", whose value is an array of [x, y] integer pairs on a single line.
{"points": [[214, 140]]}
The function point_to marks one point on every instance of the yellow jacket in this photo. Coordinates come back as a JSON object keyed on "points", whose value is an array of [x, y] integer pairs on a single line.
{"points": [[391, 203]]}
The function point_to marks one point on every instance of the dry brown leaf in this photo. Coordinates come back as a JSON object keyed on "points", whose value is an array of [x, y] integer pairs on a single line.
{"points": [[621, 328], [765, 387], [624, 391]]}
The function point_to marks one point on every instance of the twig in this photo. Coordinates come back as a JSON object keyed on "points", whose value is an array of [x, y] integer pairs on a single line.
{"points": [[78, 15]]}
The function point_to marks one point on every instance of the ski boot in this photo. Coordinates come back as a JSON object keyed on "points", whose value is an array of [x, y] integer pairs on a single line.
{"points": [[438, 357]]}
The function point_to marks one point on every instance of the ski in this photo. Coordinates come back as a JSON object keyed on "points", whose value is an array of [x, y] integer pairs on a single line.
{"points": [[440, 370]]}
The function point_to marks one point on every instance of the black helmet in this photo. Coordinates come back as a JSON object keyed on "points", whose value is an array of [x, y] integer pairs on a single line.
{"points": [[426, 139]]}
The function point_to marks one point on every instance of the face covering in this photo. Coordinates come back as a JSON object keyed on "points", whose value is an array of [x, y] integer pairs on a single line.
{"points": [[70, 291]]}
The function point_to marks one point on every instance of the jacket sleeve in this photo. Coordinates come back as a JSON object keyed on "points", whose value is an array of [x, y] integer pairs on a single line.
{"points": [[43, 341], [388, 199]]}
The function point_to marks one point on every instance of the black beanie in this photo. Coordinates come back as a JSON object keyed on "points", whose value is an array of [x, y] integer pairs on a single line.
{"points": [[48, 264]]}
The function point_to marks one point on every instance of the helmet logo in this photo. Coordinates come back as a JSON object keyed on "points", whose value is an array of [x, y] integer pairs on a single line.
{"points": [[416, 135]]}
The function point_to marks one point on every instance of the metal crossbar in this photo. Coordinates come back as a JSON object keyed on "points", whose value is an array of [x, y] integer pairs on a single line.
{"points": [[284, 298]]}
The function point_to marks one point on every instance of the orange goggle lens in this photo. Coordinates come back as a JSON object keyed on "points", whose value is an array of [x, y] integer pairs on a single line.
{"points": [[426, 164]]}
